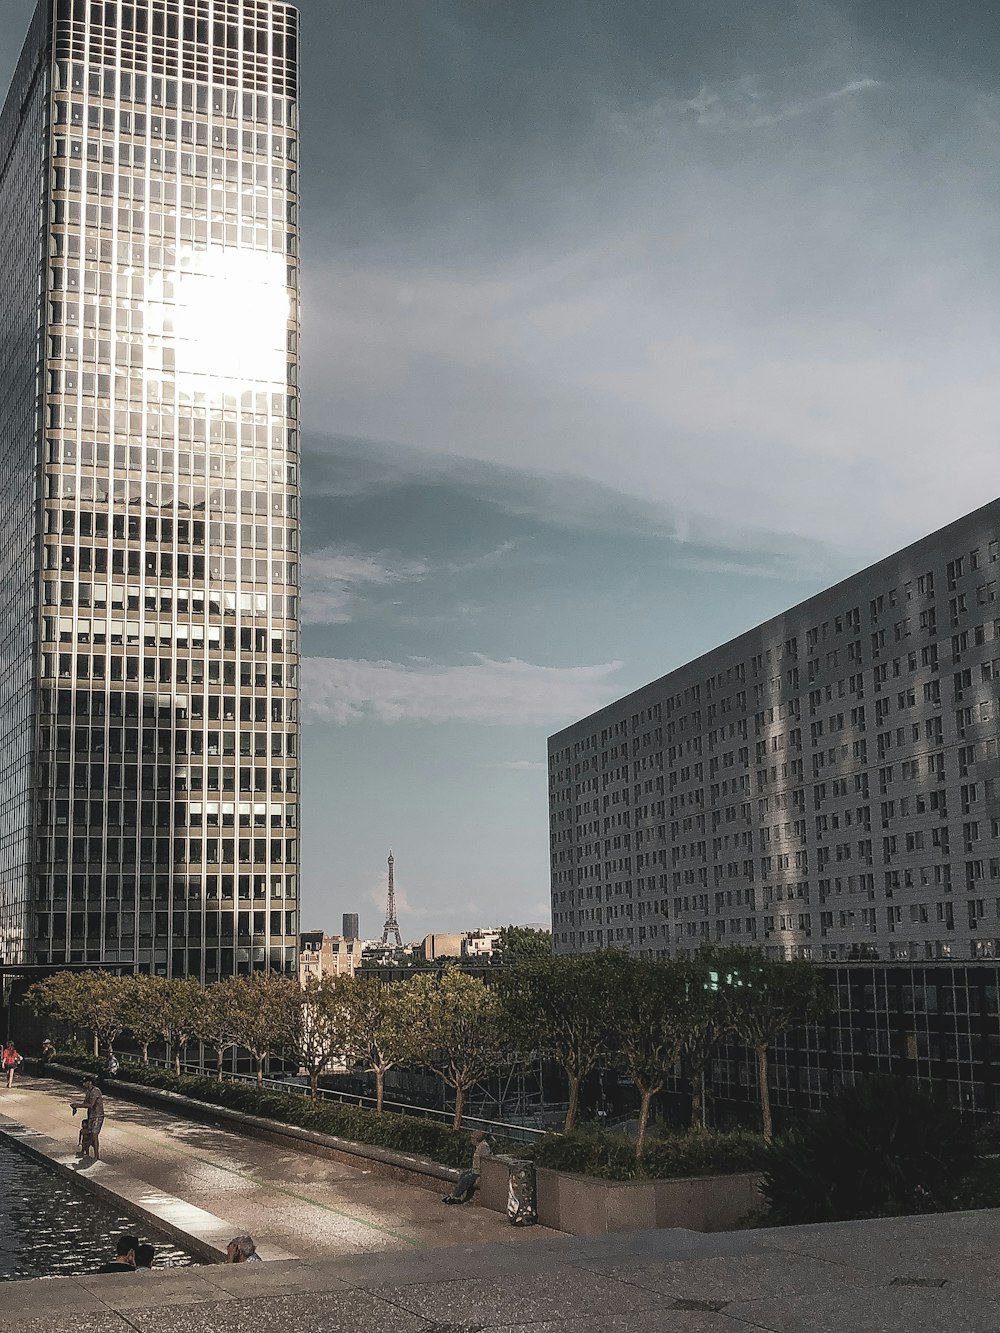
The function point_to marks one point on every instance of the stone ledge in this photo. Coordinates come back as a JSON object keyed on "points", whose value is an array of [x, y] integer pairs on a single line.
{"points": [[588, 1206], [387, 1162]]}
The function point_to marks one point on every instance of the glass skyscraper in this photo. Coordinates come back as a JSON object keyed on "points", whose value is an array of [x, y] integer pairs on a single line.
{"points": [[149, 454]]}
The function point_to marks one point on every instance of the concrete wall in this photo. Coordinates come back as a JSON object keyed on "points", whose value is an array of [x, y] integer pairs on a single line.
{"points": [[584, 1206]]}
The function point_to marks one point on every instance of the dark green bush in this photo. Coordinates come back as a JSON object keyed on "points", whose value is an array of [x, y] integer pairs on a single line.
{"points": [[883, 1147], [612, 1156]]}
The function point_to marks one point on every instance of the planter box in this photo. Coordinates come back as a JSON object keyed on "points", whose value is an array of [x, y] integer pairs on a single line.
{"points": [[584, 1206]]}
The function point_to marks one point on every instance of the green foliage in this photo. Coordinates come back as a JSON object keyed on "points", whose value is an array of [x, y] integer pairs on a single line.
{"points": [[452, 1026], [373, 1017], [521, 944], [425, 1138], [562, 1006], [646, 1025], [95, 1001], [762, 999], [883, 1147], [700, 1152]]}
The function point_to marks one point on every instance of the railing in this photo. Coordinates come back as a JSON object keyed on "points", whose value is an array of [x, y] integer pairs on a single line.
{"points": [[522, 1133]]}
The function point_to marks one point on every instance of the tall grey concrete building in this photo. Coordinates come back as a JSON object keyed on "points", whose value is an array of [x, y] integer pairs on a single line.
{"points": [[826, 786], [149, 461]]}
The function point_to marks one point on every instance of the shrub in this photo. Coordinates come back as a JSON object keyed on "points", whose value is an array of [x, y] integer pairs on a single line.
{"points": [[883, 1147], [702, 1152], [411, 1134]]}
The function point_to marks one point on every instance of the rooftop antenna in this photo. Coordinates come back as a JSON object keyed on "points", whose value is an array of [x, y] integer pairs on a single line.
{"points": [[391, 926]]}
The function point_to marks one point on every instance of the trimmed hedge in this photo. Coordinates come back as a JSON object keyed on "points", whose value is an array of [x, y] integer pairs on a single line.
{"points": [[699, 1152]]}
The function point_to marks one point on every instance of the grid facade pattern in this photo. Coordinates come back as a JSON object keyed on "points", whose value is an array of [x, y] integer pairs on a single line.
{"points": [[165, 761], [825, 786], [23, 165], [938, 1023]]}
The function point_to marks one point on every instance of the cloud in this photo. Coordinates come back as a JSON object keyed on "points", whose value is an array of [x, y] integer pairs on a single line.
{"points": [[351, 469], [485, 691], [330, 579], [742, 106], [524, 765]]}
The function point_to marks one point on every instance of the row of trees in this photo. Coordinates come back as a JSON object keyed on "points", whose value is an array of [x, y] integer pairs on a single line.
{"points": [[650, 1018]]}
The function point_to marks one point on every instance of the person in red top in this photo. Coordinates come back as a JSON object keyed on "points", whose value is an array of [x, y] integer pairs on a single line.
{"points": [[9, 1061]]}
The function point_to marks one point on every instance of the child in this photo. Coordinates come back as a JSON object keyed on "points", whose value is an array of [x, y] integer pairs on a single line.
{"points": [[86, 1138]]}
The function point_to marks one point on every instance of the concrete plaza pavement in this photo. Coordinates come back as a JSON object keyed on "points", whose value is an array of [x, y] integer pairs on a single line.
{"points": [[935, 1274], [216, 1183]]}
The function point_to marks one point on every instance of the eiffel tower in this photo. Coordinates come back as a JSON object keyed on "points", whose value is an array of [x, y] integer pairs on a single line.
{"points": [[391, 926]]}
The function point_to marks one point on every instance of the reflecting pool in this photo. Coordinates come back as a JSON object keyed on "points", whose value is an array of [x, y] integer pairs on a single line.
{"points": [[50, 1227]]}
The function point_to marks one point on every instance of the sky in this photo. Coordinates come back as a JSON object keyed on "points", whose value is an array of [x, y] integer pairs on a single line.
{"points": [[627, 325]]}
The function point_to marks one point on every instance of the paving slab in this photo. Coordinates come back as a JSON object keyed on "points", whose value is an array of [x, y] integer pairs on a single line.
{"points": [[888, 1309]]}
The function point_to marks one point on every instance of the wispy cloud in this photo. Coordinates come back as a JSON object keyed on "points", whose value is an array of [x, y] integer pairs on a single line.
{"points": [[524, 765], [742, 105], [485, 691], [331, 578]]}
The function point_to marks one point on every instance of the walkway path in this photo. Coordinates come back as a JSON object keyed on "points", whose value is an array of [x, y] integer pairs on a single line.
{"points": [[291, 1203]]}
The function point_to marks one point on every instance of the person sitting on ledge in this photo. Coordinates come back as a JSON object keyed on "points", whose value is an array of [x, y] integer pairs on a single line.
{"points": [[465, 1185], [242, 1250]]}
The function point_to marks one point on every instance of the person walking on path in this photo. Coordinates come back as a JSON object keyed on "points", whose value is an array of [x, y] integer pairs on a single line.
{"points": [[93, 1104], [10, 1061], [466, 1184]]}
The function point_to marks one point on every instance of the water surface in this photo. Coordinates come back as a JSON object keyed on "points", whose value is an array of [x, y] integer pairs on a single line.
{"points": [[50, 1227]]}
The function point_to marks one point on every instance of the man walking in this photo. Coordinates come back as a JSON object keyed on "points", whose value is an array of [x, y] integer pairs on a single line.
{"points": [[93, 1104]]}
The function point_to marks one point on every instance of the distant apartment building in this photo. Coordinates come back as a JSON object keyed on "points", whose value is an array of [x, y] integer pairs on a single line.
{"points": [[459, 944], [824, 786], [351, 927], [322, 955]]}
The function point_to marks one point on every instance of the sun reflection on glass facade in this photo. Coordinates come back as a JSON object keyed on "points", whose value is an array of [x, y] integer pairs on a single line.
{"points": [[149, 440]]}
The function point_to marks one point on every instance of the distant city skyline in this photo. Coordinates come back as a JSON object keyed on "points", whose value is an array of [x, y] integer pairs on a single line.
{"points": [[653, 318]]}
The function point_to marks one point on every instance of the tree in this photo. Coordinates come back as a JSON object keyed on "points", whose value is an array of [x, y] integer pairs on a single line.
{"points": [[91, 1000], [320, 1035], [216, 1022], [266, 1005], [142, 1002], [562, 1006], [647, 1025], [523, 944], [181, 999], [452, 1024], [703, 1019], [373, 1022], [765, 998]]}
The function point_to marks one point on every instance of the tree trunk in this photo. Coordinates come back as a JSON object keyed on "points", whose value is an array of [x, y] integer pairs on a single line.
{"points": [[260, 1069], [697, 1098], [573, 1104], [765, 1094], [219, 1057], [459, 1106], [145, 1052], [379, 1090], [314, 1084], [646, 1096], [97, 1049], [177, 1060]]}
